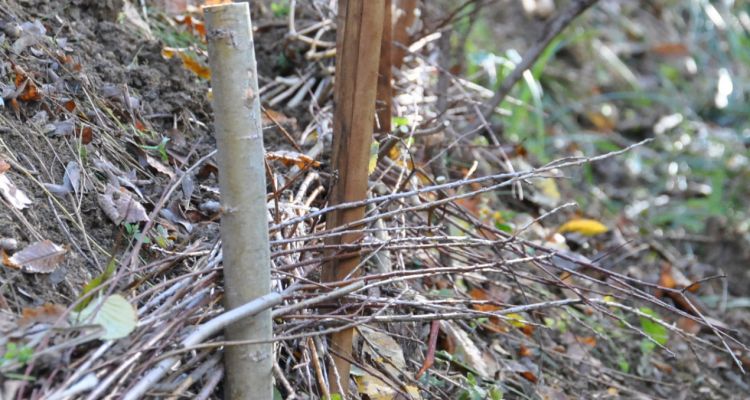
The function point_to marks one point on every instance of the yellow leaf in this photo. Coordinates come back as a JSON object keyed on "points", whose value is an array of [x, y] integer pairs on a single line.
{"points": [[168, 52], [548, 187], [395, 152], [374, 148], [516, 320], [586, 227], [374, 388]]}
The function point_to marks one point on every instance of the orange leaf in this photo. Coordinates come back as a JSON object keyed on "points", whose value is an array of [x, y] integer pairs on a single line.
{"points": [[47, 313], [693, 287], [70, 105], [30, 91], [524, 351], [528, 330], [289, 158], [529, 376], [481, 295], [495, 324], [587, 340], [14, 105], [6, 260], [665, 277], [139, 125], [195, 67], [200, 27]]}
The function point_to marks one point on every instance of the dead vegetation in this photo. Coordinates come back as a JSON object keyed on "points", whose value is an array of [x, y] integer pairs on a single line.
{"points": [[478, 278]]}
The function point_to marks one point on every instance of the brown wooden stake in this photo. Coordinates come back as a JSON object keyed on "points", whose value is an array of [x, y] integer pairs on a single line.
{"points": [[385, 93], [359, 32], [405, 16]]}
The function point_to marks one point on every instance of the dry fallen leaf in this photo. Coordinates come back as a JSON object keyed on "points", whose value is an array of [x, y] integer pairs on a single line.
{"points": [[72, 176], [29, 90], [120, 206], [12, 194], [159, 166], [467, 351], [389, 356], [39, 258]]}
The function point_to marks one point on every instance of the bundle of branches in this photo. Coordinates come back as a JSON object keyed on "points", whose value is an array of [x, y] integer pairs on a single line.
{"points": [[456, 299]]}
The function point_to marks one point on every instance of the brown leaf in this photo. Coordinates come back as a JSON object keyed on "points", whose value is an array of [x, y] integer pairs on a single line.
{"points": [[157, 165], [87, 134], [688, 325], [120, 206], [528, 330], [665, 277], [529, 376], [494, 324], [69, 105], [670, 49], [29, 91], [39, 258], [477, 293]]}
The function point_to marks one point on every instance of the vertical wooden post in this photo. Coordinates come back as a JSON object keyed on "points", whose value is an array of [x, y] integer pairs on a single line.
{"points": [[385, 93], [359, 31], [405, 16], [244, 223]]}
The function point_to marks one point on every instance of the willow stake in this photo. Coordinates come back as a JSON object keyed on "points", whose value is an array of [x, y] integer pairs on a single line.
{"points": [[244, 222]]}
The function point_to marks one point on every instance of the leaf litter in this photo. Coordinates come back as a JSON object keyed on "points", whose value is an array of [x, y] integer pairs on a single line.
{"points": [[110, 98]]}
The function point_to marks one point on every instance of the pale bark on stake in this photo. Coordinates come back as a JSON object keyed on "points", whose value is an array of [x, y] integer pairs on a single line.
{"points": [[359, 31], [244, 222]]}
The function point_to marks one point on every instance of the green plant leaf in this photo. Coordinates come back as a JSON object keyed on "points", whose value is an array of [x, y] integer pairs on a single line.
{"points": [[656, 331], [398, 122], [95, 284], [623, 363]]}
